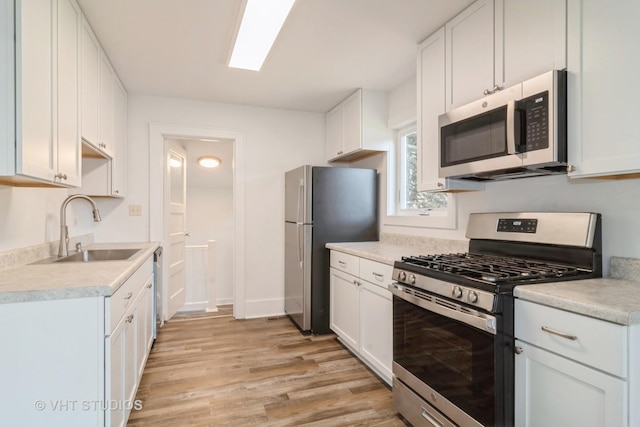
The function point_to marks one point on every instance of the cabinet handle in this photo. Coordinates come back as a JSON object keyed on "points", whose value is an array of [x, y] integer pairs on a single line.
{"points": [[496, 88], [440, 185], [355, 282], [558, 333], [518, 350], [115, 191], [61, 176], [129, 295], [486, 92], [130, 318], [149, 285], [378, 276], [342, 263], [571, 168]]}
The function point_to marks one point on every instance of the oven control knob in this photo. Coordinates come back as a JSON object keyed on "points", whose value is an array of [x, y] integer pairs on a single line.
{"points": [[456, 292], [412, 279], [473, 297], [402, 276]]}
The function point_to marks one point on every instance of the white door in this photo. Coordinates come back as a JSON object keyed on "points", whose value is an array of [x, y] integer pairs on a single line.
{"points": [[176, 189]]}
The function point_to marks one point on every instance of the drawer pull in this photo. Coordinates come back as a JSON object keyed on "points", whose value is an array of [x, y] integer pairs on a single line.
{"points": [[560, 334], [342, 263], [129, 295], [427, 416], [149, 285], [378, 276]]}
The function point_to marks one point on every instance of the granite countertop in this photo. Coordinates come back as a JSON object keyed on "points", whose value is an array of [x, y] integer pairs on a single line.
{"points": [[39, 282], [613, 300], [389, 252], [375, 251]]}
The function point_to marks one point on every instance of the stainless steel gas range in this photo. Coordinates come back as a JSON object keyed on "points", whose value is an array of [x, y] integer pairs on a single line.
{"points": [[453, 344]]}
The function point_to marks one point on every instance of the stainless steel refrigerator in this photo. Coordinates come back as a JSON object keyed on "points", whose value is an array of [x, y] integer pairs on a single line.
{"points": [[322, 205]]}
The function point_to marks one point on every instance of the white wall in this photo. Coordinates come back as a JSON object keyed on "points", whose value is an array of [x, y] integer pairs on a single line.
{"points": [[275, 141], [616, 200], [31, 216], [210, 217]]}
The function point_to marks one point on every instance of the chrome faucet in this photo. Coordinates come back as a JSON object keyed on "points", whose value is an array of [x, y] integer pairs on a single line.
{"points": [[63, 248]]}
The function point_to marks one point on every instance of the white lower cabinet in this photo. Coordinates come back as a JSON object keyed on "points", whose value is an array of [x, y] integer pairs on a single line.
{"points": [[361, 310], [128, 344], [573, 370], [76, 362]]}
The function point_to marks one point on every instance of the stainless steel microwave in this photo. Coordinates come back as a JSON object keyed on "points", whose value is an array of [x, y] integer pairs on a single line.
{"points": [[515, 132]]}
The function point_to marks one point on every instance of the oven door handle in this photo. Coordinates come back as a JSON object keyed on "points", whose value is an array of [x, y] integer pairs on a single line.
{"points": [[471, 317]]}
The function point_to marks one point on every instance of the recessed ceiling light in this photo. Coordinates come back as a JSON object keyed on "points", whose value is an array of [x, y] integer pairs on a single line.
{"points": [[209, 162], [261, 23]]}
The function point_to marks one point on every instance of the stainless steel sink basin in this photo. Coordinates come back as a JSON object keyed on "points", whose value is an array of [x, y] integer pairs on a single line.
{"points": [[93, 255], [100, 255]]}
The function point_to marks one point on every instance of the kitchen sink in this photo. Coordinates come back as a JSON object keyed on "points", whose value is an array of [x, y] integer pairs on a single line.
{"points": [[101, 255], [94, 255]]}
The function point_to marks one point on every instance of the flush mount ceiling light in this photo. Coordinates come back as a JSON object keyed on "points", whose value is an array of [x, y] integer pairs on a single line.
{"points": [[261, 23], [209, 162]]}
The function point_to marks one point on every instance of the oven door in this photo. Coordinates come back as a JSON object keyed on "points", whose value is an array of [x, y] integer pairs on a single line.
{"points": [[450, 355]]}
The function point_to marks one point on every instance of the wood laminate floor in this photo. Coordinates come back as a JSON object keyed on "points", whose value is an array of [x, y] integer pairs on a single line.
{"points": [[217, 371]]}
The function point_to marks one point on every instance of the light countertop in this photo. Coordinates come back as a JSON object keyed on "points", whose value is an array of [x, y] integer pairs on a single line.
{"points": [[38, 282], [375, 251], [614, 300]]}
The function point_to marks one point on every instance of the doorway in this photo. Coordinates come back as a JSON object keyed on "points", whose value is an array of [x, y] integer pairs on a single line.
{"points": [[159, 138]]}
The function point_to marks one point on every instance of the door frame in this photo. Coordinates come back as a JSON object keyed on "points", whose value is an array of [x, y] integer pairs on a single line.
{"points": [[158, 132]]}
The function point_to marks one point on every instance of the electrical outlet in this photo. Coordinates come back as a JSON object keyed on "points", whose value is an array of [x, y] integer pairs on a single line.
{"points": [[135, 210]]}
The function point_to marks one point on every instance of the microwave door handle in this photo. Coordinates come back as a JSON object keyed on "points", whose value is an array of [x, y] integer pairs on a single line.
{"points": [[511, 133]]}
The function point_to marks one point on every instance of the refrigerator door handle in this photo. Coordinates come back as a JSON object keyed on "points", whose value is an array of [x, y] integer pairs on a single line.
{"points": [[299, 227], [300, 196]]}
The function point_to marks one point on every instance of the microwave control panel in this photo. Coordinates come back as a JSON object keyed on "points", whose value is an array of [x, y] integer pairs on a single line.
{"points": [[536, 121]]}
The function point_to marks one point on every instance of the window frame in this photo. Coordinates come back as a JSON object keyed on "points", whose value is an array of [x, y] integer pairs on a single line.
{"points": [[396, 216]]}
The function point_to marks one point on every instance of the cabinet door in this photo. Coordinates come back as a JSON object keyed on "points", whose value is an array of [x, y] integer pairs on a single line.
{"points": [[469, 59], [352, 123], [602, 87], [553, 391], [144, 327], [115, 374], [345, 307], [35, 151], [531, 39], [106, 106], [90, 85], [334, 133], [119, 161], [69, 155], [431, 104], [376, 334]]}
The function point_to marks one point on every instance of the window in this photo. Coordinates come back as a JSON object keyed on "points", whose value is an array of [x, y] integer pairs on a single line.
{"points": [[410, 201]]}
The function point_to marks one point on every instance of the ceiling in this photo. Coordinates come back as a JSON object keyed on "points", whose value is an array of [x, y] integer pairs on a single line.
{"points": [[197, 176], [326, 49]]}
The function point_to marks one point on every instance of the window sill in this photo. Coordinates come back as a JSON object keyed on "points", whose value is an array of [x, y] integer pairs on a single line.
{"points": [[446, 221]]}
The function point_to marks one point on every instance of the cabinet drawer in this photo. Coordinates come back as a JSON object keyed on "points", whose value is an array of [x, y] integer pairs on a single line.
{"points": [[345, 262], [117, 304], [593, 342], [375, 272]]}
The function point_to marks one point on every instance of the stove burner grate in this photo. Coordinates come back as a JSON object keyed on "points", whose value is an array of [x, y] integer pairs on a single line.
{"points": [[491, 268]]}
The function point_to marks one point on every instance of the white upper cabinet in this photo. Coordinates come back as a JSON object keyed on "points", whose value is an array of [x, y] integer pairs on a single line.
{"points": [[106, 106], [530, 39], [603, 87], [469, 54], [40, 118], [90, 85], [119, 161], [357, 127], [431, 103]]}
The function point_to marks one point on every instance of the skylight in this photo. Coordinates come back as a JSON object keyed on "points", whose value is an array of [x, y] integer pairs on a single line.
{"points": [[261, 23]]}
